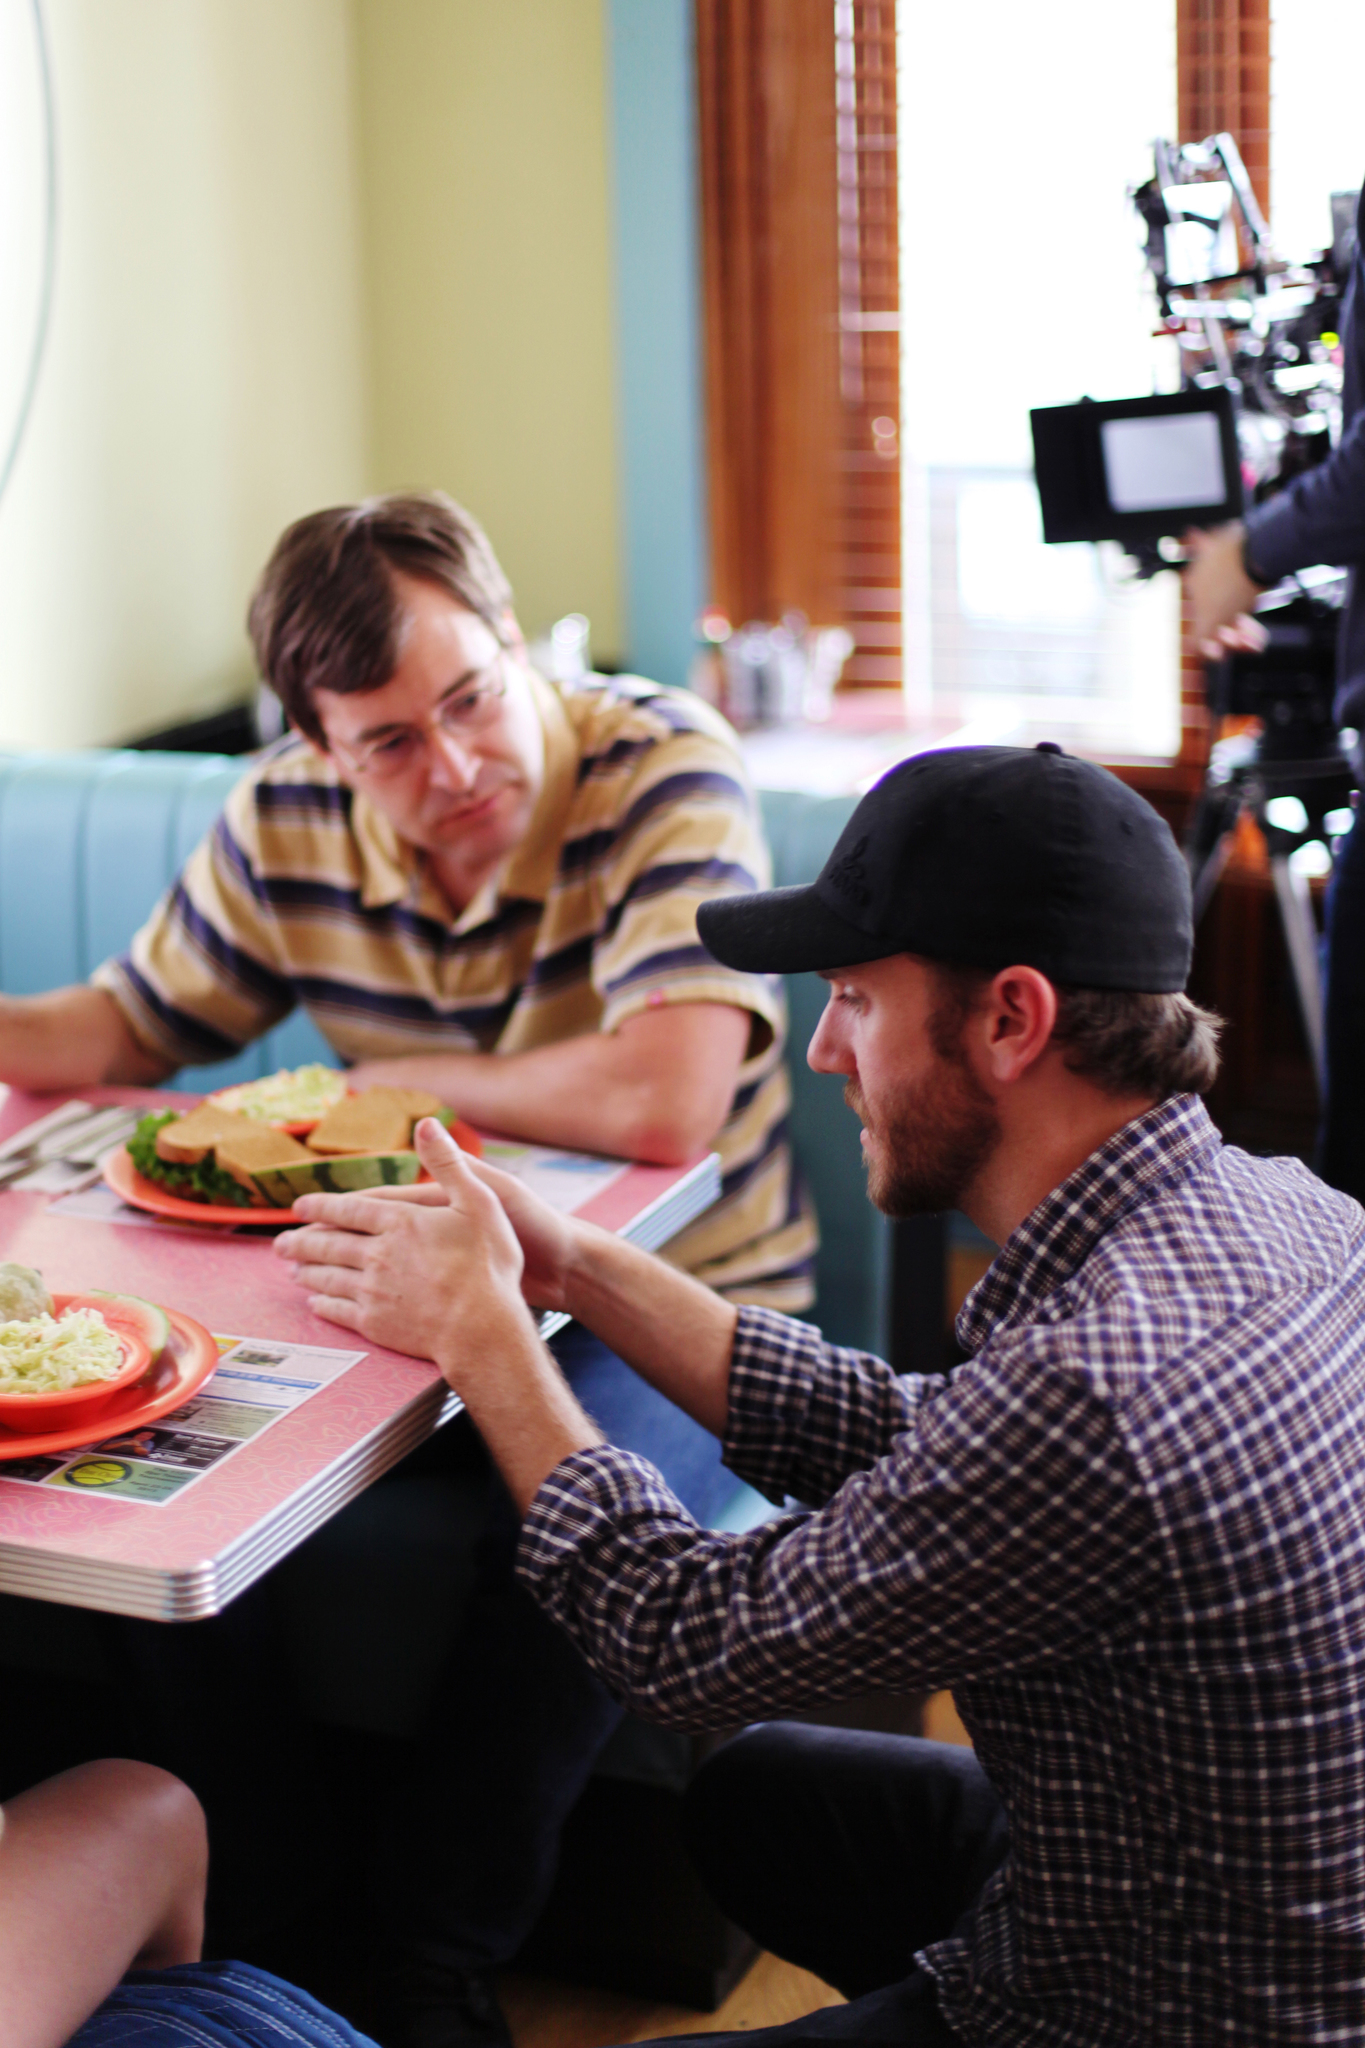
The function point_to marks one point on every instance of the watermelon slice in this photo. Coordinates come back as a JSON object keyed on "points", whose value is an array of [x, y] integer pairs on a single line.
{"points": [[130, 1314], [347, 1174]]}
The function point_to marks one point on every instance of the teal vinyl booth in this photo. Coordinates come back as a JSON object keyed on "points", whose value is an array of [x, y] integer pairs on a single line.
{"points": [[88, 841]]}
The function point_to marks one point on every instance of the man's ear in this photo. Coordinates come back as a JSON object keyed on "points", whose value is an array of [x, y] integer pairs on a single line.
{"points": [[1017, 1019]]}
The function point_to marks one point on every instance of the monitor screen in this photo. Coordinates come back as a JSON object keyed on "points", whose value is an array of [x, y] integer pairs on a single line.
{"points": [[1163, 462], [1137, 469]]}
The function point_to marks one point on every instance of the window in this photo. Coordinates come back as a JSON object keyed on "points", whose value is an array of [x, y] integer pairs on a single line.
{"points": [[1317, 128], [1023, 284]]}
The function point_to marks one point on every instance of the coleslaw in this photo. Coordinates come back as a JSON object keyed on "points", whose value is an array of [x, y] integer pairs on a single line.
{"points": [[291, 1096], [49, 1355]]}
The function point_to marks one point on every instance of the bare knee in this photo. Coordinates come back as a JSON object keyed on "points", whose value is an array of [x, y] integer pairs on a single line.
{"points": [[142, 1797], [155, 1829]]}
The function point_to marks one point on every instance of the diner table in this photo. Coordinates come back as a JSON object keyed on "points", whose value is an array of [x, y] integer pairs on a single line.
{"points": [[174, 1522]]}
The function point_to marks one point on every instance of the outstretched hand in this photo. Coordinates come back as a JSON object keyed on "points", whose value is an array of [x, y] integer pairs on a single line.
{"points": [[432, 1276]]}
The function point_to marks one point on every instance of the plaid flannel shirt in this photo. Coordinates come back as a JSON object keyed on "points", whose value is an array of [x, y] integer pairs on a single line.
{"points": [[1129, 1533]]}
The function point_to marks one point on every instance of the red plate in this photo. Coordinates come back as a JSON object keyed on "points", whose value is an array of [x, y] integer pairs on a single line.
{"points": [[181, 1370], [134, 1187]]}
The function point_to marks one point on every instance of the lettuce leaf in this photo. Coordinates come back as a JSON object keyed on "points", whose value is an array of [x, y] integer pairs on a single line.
{"points": [[203, 1182]]}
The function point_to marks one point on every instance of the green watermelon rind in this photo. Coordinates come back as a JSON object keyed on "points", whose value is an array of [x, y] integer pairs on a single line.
{"points": [[154, 1325], [342, 1175]]}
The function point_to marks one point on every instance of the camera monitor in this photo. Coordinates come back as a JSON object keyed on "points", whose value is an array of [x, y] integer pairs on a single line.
{"points": [[1135, 469]]}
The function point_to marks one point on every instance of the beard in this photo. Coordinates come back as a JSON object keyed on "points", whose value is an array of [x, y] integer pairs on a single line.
{"points": [[931, 1138]]}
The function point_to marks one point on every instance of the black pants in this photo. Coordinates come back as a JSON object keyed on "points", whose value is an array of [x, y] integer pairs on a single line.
{"points": [[844, 1853], [469, 1850], [1341, 1139]]}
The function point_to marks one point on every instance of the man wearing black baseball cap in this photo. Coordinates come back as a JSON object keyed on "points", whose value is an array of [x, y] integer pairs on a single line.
{"points": [[1127, 1531]]}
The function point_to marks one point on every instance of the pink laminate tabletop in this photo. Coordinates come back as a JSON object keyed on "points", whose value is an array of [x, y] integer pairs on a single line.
{"points": [[188, 1556]]}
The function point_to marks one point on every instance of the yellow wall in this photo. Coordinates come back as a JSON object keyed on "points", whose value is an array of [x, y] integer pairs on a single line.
{"points": [[483, 144], [307, 248], [205, 377]]}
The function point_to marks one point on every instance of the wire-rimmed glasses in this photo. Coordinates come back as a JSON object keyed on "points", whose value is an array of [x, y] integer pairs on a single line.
{"points": [[468, 710]]}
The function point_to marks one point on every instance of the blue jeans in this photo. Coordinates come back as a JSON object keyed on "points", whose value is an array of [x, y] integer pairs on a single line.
{"points": [[471, 1842], [213, 2005]]}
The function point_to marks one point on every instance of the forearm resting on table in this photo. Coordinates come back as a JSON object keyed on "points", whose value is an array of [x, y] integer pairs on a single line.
{"points": [[657, 1090], [72, 1038]]}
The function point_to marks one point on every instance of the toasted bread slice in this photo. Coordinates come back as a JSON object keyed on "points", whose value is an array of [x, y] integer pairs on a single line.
{"points": [[421, 1102], [190, 1137], [256, 1149], [377, 1120]]}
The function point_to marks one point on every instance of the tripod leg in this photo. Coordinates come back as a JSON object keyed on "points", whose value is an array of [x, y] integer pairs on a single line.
{"points": [[1301, 941], [1208, 841]]}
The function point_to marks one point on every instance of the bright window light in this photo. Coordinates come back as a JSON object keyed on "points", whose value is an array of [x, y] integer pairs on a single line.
{"points": [[1004, 571], [1317, 134], [1023, 284]]}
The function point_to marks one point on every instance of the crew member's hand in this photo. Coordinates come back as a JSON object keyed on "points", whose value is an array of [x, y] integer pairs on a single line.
{"points": [[1221, 593], [416, 1276]]}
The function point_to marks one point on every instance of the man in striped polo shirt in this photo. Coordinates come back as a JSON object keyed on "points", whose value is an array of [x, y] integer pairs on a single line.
{"points": [[487, 885]]}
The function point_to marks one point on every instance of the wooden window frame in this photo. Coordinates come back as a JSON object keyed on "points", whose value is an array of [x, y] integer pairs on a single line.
{"points": [[801, 283]]}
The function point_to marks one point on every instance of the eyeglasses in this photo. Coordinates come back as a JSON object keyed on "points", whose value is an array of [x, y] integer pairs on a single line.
{"points": [[469, 711]]}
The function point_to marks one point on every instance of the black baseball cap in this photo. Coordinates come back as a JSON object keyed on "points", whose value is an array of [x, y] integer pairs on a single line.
{"points": [[986, 857]]}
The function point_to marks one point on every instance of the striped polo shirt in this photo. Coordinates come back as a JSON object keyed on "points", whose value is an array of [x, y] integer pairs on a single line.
{"points": [[304, 893]]}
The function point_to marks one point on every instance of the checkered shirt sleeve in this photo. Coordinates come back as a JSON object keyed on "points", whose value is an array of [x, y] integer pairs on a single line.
{"points": [[980, 1525]]}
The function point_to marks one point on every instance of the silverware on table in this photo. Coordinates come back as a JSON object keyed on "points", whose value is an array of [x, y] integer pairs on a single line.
{"points": [[60, 1152]]}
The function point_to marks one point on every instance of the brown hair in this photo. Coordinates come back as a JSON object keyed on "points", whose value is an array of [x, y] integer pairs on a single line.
{"points": [[1125, 1041], [325, 614]]}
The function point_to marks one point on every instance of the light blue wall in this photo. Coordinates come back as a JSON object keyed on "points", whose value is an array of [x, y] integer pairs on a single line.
{"points": [[651, 95]]}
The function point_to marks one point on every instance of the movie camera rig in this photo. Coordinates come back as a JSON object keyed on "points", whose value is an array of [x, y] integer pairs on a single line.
{"points": [[1259, 348]]}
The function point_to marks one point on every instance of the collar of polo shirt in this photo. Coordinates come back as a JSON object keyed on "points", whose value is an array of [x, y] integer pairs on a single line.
{"points": [[392, 868]]}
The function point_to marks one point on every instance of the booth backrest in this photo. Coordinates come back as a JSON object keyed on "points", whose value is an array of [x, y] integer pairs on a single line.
{"points": [[88, 842]]}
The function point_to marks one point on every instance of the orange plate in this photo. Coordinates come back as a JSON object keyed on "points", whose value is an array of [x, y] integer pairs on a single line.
{"points": [[134, 1188], [181, 1370], [64, 1407]]}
